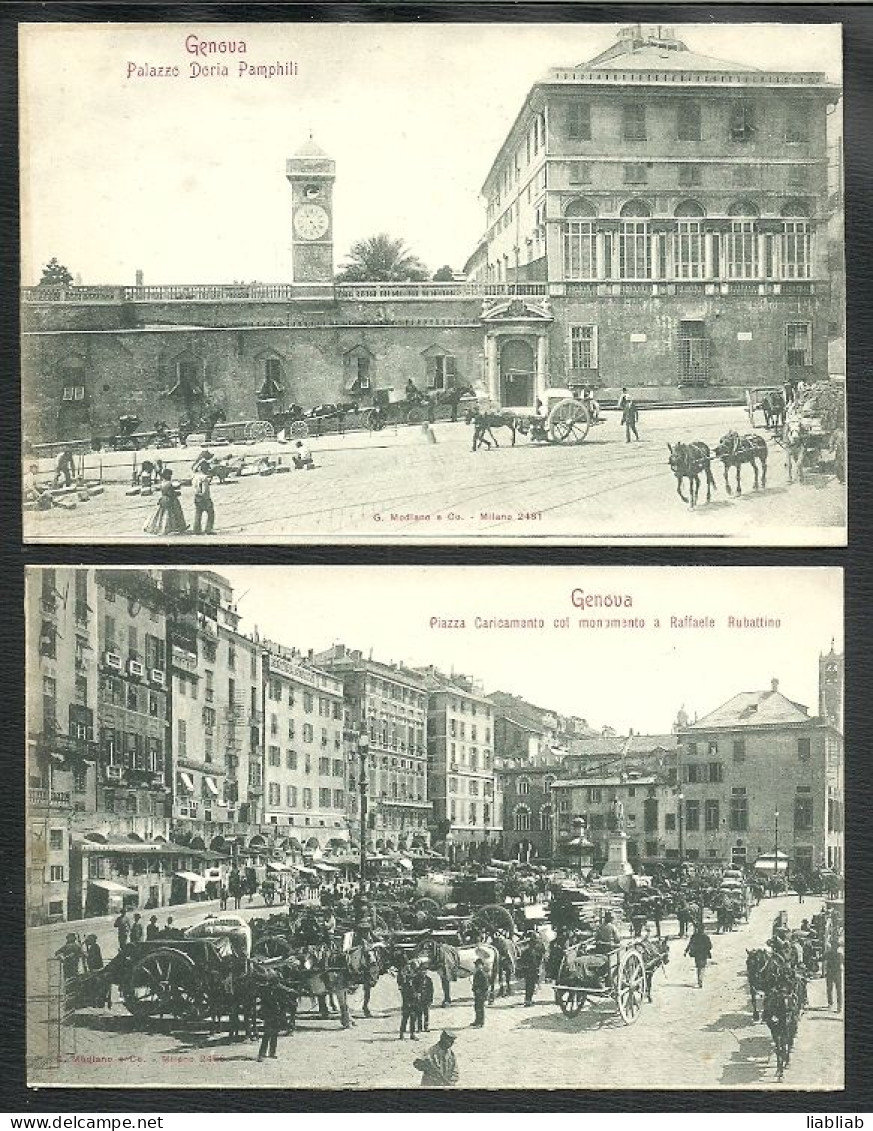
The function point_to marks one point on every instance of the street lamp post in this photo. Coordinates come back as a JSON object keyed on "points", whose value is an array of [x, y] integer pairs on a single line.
{"points": [[681, 815], [776, 847], [363, 749]]}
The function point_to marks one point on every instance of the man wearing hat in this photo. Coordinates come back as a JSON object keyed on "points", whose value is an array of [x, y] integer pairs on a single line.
{"points": [[530, 962], [481, 988], [203, 504], [439, 1067]]}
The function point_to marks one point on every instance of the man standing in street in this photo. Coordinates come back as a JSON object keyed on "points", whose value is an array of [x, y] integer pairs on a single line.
{"points": [[439, 1066], [700, 949], [153, 931], [833, 970], [203, 504], [480, 994], [136, 929], [122, 926], [409, 1008], [681, 915], [531, 961], [272, 1016], [630, 417]]}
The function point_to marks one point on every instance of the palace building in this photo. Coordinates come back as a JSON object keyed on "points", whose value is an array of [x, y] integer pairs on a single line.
{"points": [[655, 219]]}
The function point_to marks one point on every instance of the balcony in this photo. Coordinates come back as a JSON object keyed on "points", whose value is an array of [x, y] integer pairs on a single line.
{"points": [[44, 799]]}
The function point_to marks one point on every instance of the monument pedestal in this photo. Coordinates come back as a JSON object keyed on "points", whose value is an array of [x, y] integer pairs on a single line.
{"points": [[617, 866]]}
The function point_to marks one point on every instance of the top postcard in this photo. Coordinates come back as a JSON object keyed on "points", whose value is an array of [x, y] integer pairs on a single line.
{"points": [[342, 282]]}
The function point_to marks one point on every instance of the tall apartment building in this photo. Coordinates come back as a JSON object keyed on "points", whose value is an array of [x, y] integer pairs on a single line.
{"points": [[673, 209], [388, 703], [134, 791], [306, 768], [61, 667], [759, 773], [462, 785]]}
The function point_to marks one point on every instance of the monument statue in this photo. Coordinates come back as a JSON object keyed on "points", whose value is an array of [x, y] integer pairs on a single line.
{"points": [[617, 815]]}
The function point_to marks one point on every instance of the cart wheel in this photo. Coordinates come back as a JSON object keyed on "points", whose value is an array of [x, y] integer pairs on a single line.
{"points": [[272, 946], [373, 420], [259, 430], [568, 423], [631, 987], [164, 983], [428, 907], [570, 1001], [494, 918], [414, 416], [299, 429]]}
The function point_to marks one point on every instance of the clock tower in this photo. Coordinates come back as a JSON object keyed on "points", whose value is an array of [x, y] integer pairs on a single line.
{"points": [[830, 688], [311, 174]]}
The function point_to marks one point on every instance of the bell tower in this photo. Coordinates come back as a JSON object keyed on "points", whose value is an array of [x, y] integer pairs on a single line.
{"points": [[831, 674], [311, 174]]}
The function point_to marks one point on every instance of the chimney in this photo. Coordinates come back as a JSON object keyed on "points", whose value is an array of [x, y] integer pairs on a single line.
{"points": [[139, 278], [774, 684]]}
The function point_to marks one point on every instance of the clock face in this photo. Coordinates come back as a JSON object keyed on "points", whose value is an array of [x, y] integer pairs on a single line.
{"points": [[310, 221]]}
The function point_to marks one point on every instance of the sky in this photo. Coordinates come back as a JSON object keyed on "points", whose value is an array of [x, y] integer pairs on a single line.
{"points": [[635, 678], [184, 178]]}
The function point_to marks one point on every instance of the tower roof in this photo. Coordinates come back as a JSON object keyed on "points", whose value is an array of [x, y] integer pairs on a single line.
{"points": [[310, 148], [641, 48]]}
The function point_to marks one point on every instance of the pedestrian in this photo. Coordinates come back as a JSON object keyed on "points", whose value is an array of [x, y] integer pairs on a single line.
{"points": [[409, 1009], [273, 1016], [136, 929], [93, 964], [833, 970], [122, 927], [657, 911], [480, 994], [168, 517], [153, 931], [222, 896], [531, 961], [422, 984], [629, 418], [72, 956], [622, 402], [65, 467], [203, 504], [302, 457], [439, 1066], [800, 888], [700, 949]]}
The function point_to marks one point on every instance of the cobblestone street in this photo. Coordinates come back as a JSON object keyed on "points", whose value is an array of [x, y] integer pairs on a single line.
{"points": [[688, 1038], [395, 485]]}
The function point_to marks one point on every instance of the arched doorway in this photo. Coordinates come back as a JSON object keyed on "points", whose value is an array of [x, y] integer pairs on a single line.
{"points": [[517, 373]]}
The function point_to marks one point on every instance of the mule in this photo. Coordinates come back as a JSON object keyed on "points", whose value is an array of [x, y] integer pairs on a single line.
{"points": [[485, 422], [690, 461], [735, 450], [773, 407]]}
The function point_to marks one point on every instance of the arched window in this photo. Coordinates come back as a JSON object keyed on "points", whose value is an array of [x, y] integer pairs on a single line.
{"points": [[546, 819], [796, 240], [523, 788], [741, 242], [522, 819], [580, 240], [635, 245], [688, 246]]}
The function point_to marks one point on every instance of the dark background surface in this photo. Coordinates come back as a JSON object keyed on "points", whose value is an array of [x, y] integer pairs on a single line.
{"points": [[857, 21]]}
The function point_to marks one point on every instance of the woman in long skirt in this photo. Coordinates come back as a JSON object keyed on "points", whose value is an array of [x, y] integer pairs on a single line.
{"points": [[168, 517]]}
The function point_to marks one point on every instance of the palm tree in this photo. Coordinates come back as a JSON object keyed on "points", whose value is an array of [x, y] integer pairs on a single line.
{"points": [[381, 259]]}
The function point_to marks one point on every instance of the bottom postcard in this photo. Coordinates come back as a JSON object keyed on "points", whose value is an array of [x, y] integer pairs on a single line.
{"points": [[557, 827]]}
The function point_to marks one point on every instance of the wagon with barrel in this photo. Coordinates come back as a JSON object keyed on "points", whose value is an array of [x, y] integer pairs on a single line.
{"points": [[814, 435], [481, 899], [561, 417], [622, 976]]}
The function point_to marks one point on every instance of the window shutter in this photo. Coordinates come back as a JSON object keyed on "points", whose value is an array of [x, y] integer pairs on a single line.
{"points": [[450, 370], [431, 371], [595, 359]]}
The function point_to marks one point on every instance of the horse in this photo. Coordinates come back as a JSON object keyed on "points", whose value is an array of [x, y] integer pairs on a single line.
{"points": [[688, 461], [453, 962], [760, 974], [655, 954], [773, 407], [507, 962], [783, 1003], [486, 421], [734, 450]]}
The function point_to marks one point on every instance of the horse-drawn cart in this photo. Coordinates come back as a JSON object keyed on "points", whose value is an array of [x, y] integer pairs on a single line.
{"points": [[562, 418], [622, 976], [769, 400], [814, 435]]}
